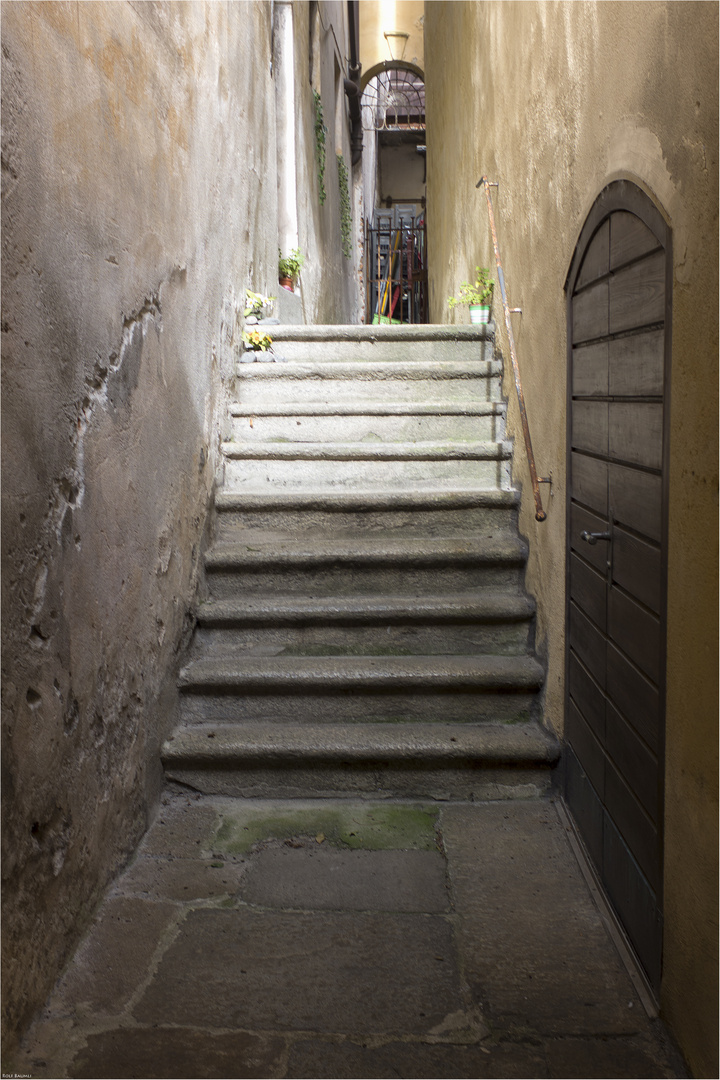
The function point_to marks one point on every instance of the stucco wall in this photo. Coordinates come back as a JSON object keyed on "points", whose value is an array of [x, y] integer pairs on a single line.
{"points": [[137, 139], [330, 285], [379, 16], [553, 101]]}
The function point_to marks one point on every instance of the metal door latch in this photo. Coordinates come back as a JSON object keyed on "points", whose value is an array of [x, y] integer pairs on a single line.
{"points": [[592, 538]]}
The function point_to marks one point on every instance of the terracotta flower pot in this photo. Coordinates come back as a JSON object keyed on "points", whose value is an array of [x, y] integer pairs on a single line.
{"points": [[287, 283]]}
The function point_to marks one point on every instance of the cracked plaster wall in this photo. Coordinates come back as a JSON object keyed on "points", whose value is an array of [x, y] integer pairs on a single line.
{"points": [[554, 100], [138, 203]]}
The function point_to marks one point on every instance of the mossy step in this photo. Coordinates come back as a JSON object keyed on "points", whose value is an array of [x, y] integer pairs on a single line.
{"points": [[450, 498], [375, 550], [369, 451], [428, 761], [296, 675], [491, 607], [370, 742]]}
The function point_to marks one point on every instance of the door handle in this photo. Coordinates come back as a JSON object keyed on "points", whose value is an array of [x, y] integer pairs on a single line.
{"points": [[592, 538]]}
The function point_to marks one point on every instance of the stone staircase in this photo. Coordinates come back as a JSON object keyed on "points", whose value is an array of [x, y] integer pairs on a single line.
{"points": [[365, 630]]}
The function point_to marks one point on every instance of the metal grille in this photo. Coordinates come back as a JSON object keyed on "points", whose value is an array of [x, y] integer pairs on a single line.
{"points": [[396, 267], [394, 100]]}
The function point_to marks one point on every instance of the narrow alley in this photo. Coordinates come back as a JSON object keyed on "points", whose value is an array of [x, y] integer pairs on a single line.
{"points": [[359, 538]]}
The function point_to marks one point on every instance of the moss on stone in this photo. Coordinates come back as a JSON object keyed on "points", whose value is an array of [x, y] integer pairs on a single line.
{"points": [[372, 827]]}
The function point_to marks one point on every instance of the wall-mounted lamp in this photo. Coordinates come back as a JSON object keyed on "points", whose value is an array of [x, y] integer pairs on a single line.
{"points": [[396, 45]]}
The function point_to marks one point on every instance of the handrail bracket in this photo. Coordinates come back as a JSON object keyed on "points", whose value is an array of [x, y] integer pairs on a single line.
{"points": [[540, 514]]}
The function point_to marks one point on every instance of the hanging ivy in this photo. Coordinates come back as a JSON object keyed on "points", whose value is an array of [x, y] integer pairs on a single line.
{"points": [[320, 133], [345, 215]]}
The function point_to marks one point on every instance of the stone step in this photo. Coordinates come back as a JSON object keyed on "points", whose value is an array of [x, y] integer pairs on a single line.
{"points": [[360, 422], [356, 343], [368, 465], [323, 689], [437, 761], [366, 564], [485, 622], [430, 513], [268, 382]]}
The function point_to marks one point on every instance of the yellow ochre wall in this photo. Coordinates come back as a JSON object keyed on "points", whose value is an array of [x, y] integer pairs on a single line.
{"points": [[379, 16], [554, 100]]}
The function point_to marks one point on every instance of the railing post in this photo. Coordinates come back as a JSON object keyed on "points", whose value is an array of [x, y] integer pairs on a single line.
{"points": [[540, 514]]}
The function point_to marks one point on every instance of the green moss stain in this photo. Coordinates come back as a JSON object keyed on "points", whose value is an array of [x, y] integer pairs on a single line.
{"points": [[370, 827]]}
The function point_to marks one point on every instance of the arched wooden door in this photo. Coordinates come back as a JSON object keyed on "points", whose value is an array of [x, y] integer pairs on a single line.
{"points": [[618, 311]]}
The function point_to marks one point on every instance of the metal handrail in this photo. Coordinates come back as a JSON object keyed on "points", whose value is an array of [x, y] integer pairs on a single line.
{"points": [[540, 514]]}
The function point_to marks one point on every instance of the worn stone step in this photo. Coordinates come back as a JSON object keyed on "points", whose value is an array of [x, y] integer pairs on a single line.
{"points": [[366, 564], [372, 421], [429, 513], [266, 382], [357, 688], [439, 761], [488, 622], [380, 465], [434, 342]]}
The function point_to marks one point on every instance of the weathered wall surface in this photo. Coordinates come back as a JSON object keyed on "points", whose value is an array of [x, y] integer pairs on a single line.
{"points": [[330, 285], [377, 18], [554, 101], [136, 143]]}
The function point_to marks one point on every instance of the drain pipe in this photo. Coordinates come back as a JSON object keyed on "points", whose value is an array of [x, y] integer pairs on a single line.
{"points": [[352, 82]]}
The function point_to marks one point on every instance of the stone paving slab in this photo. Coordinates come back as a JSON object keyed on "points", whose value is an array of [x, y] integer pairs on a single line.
{"points": [[183, 880], [115, 957], [169, 1052], [267, 938], [326, 879], [330, 972], [326, 1061], [534, 950]]}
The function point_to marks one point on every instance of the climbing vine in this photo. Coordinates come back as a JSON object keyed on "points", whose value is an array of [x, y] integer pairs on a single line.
{"points": [[320, 132], [345, 215]]}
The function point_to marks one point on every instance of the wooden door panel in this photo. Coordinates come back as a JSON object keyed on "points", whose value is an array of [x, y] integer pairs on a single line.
{"points": [[586, 807], [636, 631], [633, 759], [583, 521], [590, 426], [590, 313], [636, 365], [590, 370], [618, 311], [635, 696], [587, 748], [629, 239], [635, 432], [590, 481], [637, 295], [588, 643], [636, 499], [597, 258], [587, 589], [633, 897], [588, 697], [636, 566], [635, 826]]}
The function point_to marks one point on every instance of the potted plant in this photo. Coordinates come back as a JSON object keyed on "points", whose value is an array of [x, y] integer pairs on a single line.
{"points": [[257, 341], [477, 296], [289, 266], [255, 304]]}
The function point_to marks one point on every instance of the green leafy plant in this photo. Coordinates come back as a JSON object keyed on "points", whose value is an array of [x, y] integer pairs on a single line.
{"points": [[257, 341], [320, 133], [289, 266], [480, 292], [255, 302], [345, 214]]}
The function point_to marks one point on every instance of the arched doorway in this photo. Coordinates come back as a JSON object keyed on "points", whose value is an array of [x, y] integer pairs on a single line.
{"points": [[394, 178], [619, 293]]}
